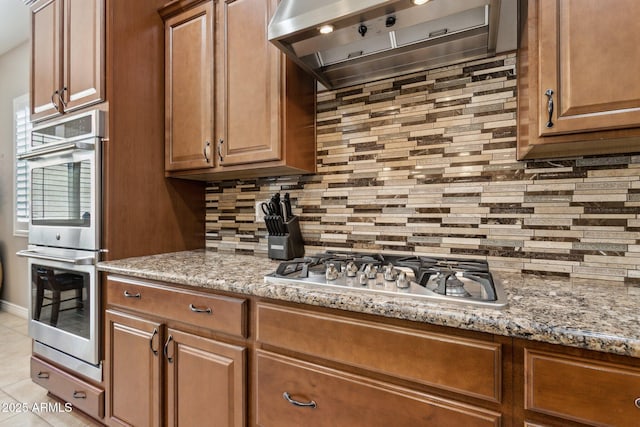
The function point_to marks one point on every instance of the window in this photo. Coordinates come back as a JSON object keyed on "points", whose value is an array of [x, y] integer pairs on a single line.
{"points": [[21, 135]]}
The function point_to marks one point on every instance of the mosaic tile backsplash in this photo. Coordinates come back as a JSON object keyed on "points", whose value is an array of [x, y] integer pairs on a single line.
{"points": [[425, 164]]}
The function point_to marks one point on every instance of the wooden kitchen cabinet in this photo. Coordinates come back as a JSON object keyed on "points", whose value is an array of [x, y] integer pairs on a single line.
{"points": [[296, 393], [154, 368], [67, 56], [366, 373], [577, 85], [189, 88], [264, 105]]}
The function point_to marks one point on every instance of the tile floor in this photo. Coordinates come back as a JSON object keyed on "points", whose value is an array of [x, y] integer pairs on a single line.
{"points": [[16, 388]]}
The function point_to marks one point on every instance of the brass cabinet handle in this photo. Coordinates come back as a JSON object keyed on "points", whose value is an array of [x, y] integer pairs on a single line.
{"points": [[155, 332], [43, 375], [128, 294], [54, 102], [220, 142], [166, 349], [200, 310], [79, 395], [312, 404], [549, 93], [207, 144], [61, 97]]}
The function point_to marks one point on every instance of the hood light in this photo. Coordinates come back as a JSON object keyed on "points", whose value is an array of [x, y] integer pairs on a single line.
{"points": [[326, 29], [419, 2]]}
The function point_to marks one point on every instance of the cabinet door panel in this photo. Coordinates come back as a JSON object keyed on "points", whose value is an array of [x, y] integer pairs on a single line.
{"points": [[589, 64], [83, 53], [189, 89], [134, 370], [205, 382], [342, 399], [252, 84], [46, 36]]}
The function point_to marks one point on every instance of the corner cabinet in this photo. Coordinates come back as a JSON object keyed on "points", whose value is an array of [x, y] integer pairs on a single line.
{"points": [[163, 363], [577, 83], [67, 56], [257, 116]]}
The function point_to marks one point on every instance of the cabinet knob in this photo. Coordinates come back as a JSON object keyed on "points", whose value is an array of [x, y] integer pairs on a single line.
{"points": [[55, 105], [311, 404], [61, 97], [220, 142], [166, 349], [128, 294], [549, 93], [207, 147], [637, 402], [155, 332]]}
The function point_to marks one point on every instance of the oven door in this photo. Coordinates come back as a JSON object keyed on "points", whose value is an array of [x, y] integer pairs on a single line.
{"points": [[65, 195], [64, 301]]}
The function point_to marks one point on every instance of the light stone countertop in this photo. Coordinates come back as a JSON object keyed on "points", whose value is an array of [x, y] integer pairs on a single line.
{"points": [[603, 318]]}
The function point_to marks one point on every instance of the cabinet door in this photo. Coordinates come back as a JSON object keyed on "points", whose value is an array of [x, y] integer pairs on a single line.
{"points": [[133, 370], [46, 68], [588, 59], [205, 382], [252, 87], [83, 81], [189, 89]]}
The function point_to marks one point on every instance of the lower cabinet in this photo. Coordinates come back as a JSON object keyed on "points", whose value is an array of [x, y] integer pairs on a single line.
{"points": [[573, 388], [159, 374], [295, 393], [82, 395]]}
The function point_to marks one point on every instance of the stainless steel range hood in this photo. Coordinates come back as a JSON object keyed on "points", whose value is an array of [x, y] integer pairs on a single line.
{"points": [[375, 39]]}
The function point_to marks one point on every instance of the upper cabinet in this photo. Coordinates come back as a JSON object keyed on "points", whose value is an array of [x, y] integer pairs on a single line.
{"points": [[257, 117], [578, 89], [67, 58], [189, 89]]}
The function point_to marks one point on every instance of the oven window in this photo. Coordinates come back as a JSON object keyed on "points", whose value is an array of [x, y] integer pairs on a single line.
{"points": [[61, 194], [62, 131], [60, 298]]}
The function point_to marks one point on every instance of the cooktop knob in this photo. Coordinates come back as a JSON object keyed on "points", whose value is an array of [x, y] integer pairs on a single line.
{"points": [[402, 282], [331, 273], [390, 273], [351, 269], [362, 278], [371, 271]]}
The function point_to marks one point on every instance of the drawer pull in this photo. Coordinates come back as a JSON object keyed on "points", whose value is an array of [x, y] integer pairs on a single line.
{"points": [[79, 395], [199, 310], [155, 332], [637, 403], [288, 398], [128, 294], [549, 93], [166, 349], [45, 376]]}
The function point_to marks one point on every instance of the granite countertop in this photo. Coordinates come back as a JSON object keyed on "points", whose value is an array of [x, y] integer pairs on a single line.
{"points": [[603, 318]]}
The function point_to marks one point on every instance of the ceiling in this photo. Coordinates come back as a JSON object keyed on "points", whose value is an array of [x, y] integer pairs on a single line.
{"points": [[14, 24]]}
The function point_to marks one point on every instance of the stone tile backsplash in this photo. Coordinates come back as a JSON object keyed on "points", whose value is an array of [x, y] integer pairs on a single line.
{"points": [[425, 164]]}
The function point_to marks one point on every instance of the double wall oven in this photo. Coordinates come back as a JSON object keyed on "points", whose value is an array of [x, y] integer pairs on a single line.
{"points": [[65, 168]]}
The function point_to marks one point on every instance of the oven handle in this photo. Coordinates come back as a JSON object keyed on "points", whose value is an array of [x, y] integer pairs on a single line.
{"points": [[88, 260], [56, 149]]}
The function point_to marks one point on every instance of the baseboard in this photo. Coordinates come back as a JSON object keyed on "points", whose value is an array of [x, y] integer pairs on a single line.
{"points": [[14, 309]]}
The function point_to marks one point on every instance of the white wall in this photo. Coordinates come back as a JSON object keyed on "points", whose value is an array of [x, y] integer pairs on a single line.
{"points": [[14, 81]]}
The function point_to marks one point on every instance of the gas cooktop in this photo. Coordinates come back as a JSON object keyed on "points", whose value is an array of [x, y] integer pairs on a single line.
{"points": [[461, 281]]}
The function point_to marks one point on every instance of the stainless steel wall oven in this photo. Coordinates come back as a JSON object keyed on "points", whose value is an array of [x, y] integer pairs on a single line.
{"points": [[65, 169]]}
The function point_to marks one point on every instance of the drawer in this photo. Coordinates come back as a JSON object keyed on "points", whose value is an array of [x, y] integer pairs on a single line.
{"points": [[582, 390], [343, 399], [215, 312], [82, 395], [467, 366]]}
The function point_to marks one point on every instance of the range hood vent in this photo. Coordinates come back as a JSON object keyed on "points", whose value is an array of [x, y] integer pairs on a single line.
{"points": [[346, 42]]}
